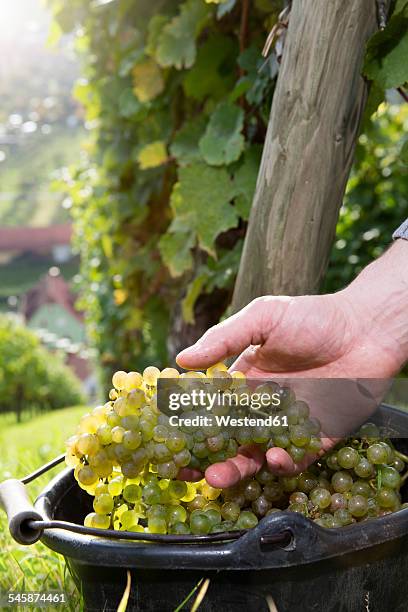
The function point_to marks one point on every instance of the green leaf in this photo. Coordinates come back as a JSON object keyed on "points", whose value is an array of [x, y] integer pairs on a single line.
{"points": [[148, 80], [193, 292], [177, 42], [201, 203], [185, 144], [175, 249], [152, 155], [245, 180], [213, 72], [375, 97], [155, 27], [129, 105], [223, 142], [387, 53]]}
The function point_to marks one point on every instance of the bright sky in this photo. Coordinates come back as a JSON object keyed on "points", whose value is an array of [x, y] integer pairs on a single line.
{"points": [[21, 19]]}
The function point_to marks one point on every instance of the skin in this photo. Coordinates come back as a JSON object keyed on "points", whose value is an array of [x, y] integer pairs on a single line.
{"points": [[359, 332]]}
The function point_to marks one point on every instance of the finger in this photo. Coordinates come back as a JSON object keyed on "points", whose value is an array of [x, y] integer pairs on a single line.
{"points": [[247, 463], [189, 475], [228, 338], [281, 463]]}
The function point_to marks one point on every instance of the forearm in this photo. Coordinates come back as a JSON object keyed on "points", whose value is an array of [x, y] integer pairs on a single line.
{"points": [[380, 292]]}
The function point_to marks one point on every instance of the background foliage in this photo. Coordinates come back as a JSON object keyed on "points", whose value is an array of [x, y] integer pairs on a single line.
{"points": [[30, 377], [179, 95]]}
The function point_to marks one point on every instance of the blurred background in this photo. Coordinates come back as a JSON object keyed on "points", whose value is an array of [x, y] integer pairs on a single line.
{"points": [[112, 118], [41, 129]]}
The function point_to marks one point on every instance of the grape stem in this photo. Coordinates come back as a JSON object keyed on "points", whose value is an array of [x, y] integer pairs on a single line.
{"points": [[404, 477], [401, 456]]}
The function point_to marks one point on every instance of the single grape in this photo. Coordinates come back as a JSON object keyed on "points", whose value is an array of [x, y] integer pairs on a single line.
{"points": [[341, 482], [298, 497], [364, 468], [157, 525], [167, 469], [264, 476], [343, 516], [320, 497], [387, 498], [197, 503], [150, 375], [180, 529], [390, 477], [176, 514], [213, 515], [299, 435], [306, 482], [87, 444], [358, 506], [176, 441], [246, 520], [119, 380], [273, 491], [338, 502], [230, 511], [132, 440], [377, 453], [209, 492], [177, 489], [97, 521], [348, 457], [133, 380], [87, 476], [251, 490], [132, 493], [103, 504], [151, 493], [199, 523], [361, 487], [261, 506]]}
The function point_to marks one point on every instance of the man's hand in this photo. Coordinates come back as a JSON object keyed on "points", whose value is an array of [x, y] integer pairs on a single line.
{"points": [[360, 332]]}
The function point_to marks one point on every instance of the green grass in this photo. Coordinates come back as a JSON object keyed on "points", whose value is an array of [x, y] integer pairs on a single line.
{"points": [[25, 447]]}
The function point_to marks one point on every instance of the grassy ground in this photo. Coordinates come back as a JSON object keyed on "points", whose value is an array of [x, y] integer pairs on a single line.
{"points": [[26, 447]]}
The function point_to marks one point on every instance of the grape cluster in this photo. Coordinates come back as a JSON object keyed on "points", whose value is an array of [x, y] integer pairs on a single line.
{"points": [[127, 456]]}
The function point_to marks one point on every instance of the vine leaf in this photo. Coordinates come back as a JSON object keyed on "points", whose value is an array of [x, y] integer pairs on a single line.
{"points": [[223, 141], [176, 43], [245, 180], [387, 51], [200, 202], [152, 155], [129, 105], [212, 74], [175, 249], [185, 143], [148, 80]]}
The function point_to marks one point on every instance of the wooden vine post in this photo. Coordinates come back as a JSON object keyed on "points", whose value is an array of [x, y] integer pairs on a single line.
{"points": [[316, 112]]}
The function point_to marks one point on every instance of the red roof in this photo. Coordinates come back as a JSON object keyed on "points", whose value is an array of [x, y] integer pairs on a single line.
{"points": [[34, 238], [50, 290]]}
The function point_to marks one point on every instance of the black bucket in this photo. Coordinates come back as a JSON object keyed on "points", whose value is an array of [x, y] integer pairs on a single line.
{"points": [[287, 561]]}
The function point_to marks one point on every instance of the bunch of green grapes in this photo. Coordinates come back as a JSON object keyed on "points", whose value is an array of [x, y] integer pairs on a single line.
{"points": [[127, 456]]}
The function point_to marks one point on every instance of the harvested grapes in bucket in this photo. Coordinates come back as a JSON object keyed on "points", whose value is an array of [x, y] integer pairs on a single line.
{"points": [[127, 454]]}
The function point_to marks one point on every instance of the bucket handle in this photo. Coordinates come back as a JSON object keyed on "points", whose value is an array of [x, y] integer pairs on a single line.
{"points": [[20, 512]]}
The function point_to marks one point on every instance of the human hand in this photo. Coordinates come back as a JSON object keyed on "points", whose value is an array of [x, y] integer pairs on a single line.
{"points": [[360, 332]]}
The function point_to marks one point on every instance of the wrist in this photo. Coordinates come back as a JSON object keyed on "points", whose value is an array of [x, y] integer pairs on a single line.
{"points": [[379, 299]]}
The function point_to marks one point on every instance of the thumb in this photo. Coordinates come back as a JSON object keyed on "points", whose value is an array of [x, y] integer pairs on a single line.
{"points": [[230, 337]]}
